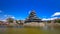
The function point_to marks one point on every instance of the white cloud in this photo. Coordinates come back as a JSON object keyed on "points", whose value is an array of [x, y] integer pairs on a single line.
{"points": [[6, 16], [56, 14], [3, 20], [49, 18], [9, 16], [53, 18], [12, 17], [45, 19]]}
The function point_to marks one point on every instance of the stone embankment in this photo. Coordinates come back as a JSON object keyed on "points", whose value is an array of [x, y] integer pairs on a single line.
{"points": [[34, 24], [42, 24]]}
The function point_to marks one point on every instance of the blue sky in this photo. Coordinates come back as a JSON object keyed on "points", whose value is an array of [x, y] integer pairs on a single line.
{"points": [[20, 8]]}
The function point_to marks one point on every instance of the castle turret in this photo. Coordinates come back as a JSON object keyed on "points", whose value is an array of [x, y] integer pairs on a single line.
{"points": [[32, 17]]}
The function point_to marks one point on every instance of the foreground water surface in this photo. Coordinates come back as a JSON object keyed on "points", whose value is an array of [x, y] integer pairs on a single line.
{"points": [[29, 30]]}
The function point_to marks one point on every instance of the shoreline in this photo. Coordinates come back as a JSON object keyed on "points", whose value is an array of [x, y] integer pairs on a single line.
{"points": [[35, 24]]}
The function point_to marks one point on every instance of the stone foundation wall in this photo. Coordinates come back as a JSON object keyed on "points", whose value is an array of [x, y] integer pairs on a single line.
{"points": [[34, 24]]}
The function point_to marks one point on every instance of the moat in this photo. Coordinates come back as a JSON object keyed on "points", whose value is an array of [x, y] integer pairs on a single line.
{"points": [[29, 30]]}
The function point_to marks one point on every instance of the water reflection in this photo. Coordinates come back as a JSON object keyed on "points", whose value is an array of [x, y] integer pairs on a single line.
{"points": [[3, 29], [48, 28], [1, 26], [17, 26], [11, 26], [19, 29]]}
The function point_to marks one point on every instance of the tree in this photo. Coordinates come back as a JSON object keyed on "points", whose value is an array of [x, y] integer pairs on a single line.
{"points": [[18, 21], [49, 21], [10, 20], [57, 20]]}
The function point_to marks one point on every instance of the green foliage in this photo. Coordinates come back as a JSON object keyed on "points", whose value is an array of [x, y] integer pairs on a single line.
{"points": [[58, 21], [49, 21], [10, 20], [18, 21]]}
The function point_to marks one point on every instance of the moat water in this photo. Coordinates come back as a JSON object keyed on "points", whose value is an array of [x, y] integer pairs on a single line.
{"points": [[29, 30]]}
